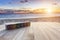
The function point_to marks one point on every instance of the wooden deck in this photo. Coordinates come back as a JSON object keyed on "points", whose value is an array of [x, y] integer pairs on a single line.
{"points": [[37, 31]]}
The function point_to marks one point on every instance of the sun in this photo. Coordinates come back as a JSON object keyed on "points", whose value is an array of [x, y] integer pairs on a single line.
{"points": [[48, 10]]}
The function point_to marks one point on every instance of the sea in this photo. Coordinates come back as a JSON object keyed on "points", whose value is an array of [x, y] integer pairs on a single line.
{"points": [[29, 15]]}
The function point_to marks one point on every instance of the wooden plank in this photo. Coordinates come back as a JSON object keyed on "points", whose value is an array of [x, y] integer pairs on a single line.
{"points": [[46, 30]]}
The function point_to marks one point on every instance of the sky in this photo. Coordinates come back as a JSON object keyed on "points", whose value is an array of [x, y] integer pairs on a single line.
{"points": [[17, 4]]}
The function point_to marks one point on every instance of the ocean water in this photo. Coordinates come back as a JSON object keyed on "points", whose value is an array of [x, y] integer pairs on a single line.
{"points": [[17, 15], [9, 15], [26, 15]]}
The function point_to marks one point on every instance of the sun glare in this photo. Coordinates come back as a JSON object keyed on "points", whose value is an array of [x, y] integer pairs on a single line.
{"points": [[48, 10]]}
